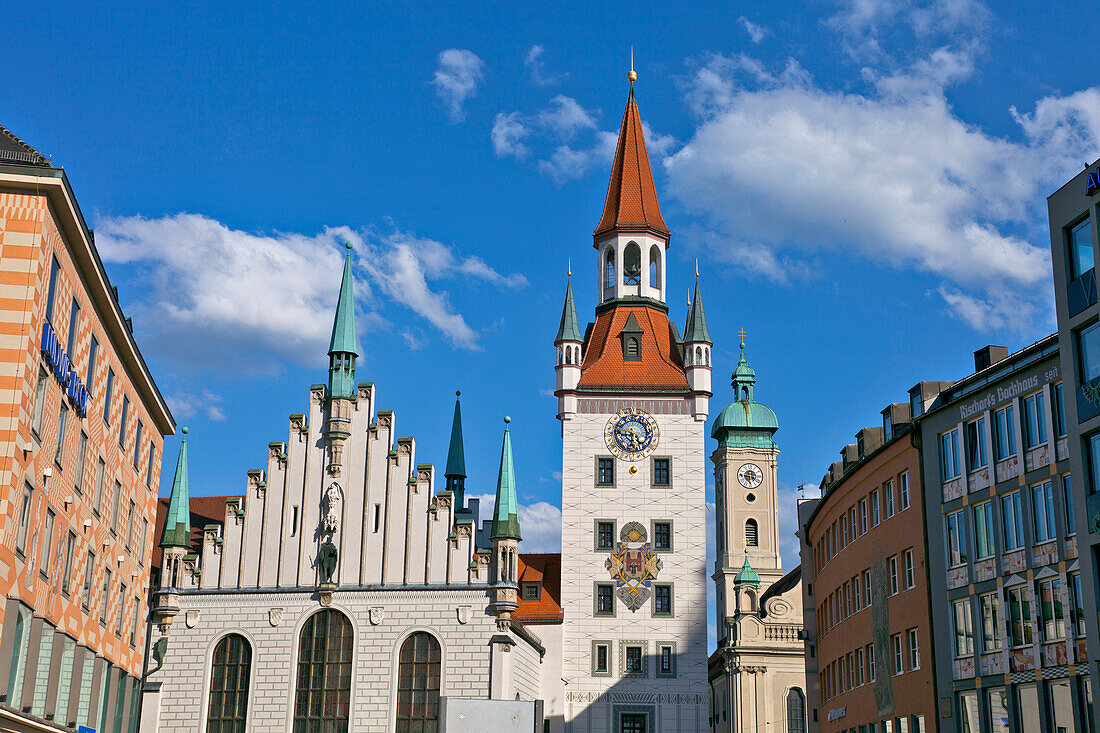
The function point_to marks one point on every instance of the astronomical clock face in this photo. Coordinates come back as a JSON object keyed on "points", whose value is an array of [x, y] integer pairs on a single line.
{"points": [[750, 475], [631, 434]]}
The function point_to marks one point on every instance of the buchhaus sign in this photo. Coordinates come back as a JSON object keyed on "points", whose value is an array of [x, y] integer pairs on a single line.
{"points": [[1093, 182], [62, 369]]}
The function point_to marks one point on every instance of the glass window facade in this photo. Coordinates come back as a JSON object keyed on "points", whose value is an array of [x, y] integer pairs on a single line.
{"points": [[1080, 248]]}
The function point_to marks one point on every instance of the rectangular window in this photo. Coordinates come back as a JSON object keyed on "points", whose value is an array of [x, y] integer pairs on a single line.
{"points": [[62, 423], [1067, 495], [956, 537], [99, 471], [1005, 424], [914, 650], [605, 599], [862, 516], [1019, 615], [377, 517], [122, 422], [853, 523], [666, 661], [1059, 411], [859, 667], [130, 526], [856, 594], [1080, 249], [903, 486], [874, 509], [1035, 420], [39, 402], [121, 609], [844, 531], [93, 351], [983, 529], [662, 600], [899, 654], [975, 445], [74, 322], [866, 588], [107, 395], [24, 519], [89, 569], [1094, 462], [991, 623], [51, 293], [888, 493], [605, 471], [910, 577], [661, 474], [847, 600], [1051, 611], [633, 662], [605, 535], [893, 562], [1078, 600], [662, 536], [149, 464], [105, 598], [531, 591], [949, 454], [870, 662], [134, 625], [67, 568], [600, 664], [137, 445], [81, 460], [1013, 517], [1042, 511], [46, 545], [144, 540], [964, 628], [114, 507], [294, 520]]}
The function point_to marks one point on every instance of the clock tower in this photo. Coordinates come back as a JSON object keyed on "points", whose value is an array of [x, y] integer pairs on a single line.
{"points": [[633, 402]]}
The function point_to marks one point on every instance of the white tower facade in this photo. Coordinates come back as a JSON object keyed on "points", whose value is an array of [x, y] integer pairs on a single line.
{"points": [[633, 585]]}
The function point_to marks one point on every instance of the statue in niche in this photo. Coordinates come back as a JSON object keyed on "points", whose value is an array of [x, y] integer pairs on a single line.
{"points": [[331, 521], [326, 560]]}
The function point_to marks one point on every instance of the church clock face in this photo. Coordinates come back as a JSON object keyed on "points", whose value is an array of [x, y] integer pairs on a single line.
{"points": [[750, 475], [631, 434]]}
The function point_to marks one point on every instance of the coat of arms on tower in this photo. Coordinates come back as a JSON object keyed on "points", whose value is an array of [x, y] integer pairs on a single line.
{"points": [[633, 566]]}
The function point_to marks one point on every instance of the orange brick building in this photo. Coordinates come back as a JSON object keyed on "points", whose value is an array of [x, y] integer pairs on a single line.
{"points": [[867, 610], [81, 441]]}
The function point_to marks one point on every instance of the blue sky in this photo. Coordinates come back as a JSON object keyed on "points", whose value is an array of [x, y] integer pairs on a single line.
{"points": [[863, 184]]}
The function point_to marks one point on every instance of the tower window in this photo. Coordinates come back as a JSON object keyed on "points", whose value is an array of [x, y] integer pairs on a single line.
{"points": [[752, 538], [609, 260], [662, 600], [662, 535], [605, 599], [601, 662], [633, 350], [605, 471], [605, 535], [655, 267], [632, 264]]}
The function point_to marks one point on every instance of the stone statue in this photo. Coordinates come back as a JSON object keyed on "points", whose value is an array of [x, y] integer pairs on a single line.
{"points": [[331, 521], [326, 560]]}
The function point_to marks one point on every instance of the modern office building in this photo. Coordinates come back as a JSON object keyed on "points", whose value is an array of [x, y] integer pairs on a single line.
{"points": [[868, 618], [1074, 210], [1004, 561], [80, 454]]}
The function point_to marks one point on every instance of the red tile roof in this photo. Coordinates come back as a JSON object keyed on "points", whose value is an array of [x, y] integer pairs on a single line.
{"points": [[204, 510], [660, 366], [544, 568], [631, 196]]}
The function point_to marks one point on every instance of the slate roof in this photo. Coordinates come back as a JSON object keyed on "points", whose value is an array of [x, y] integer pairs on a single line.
{"points": [[631, 201], [14, 150], [661, 366]]}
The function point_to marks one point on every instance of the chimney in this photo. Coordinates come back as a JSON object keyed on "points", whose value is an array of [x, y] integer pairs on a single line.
{"points": [[988, 356]]}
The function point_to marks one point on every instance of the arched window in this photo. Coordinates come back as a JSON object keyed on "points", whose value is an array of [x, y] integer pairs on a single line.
{"points": [[18, 657], [655, 267], [229, 678], [323, 696], [632, 264], [751, 536], [418, 683], [609, 266], [796, 711], [750, 600]]}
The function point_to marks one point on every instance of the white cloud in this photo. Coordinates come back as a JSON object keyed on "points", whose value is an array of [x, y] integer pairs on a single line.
{"points": [[208, 294], [190, 404], [537, 67], [507, 135], [565, 117], [539, 523], [456, 79], [892, 175], [756, 32]]}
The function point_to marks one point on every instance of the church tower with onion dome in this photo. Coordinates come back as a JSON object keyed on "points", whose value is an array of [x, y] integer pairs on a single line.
{"points": [[633, 403]]}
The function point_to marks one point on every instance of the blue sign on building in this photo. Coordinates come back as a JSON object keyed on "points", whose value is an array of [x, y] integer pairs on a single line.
{"points": [[63, 370], [1093, 182]]}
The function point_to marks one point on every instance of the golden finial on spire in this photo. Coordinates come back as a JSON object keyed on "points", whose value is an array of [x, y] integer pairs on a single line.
{"points": [[696, 268], [569, 267], [633, 75]]}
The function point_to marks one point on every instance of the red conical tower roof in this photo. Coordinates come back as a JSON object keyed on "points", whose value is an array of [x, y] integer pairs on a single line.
{"points": [[631, 196]]}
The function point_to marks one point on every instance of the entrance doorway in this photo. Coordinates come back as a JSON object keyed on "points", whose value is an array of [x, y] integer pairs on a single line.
{"points": [[633, 723]]}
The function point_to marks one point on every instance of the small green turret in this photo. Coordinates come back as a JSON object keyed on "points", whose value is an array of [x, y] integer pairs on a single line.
{"points": [[456, 460], [506, 509], [343, 347], [177, 524]]}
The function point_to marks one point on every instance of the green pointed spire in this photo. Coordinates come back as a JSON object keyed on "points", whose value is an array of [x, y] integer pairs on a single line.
{"points": [[343, 347], [696, 329], [456, 458], [744, 378], [177, 524], [506, 509], [568, 329], [746, 575]]}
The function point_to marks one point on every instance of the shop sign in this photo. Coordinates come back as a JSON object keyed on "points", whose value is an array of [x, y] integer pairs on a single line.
{"points": [[1093, 182], [837, 713], [63, 370]]}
